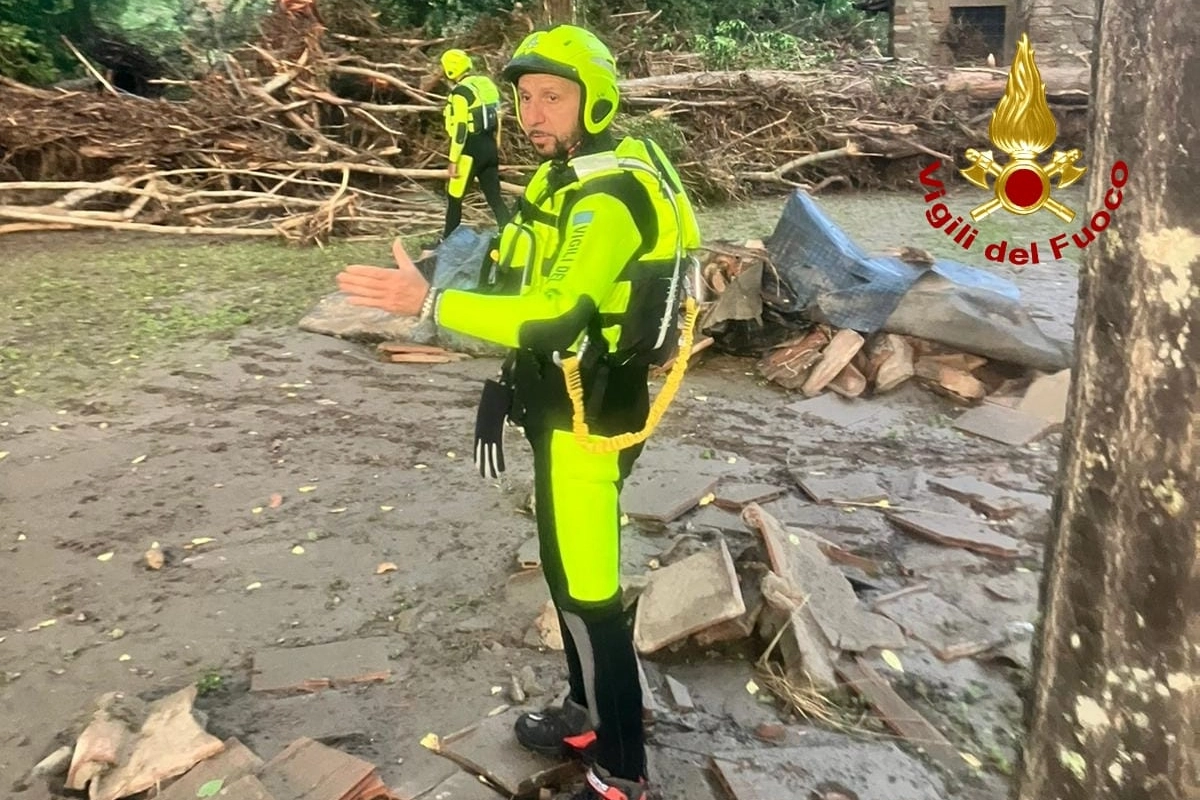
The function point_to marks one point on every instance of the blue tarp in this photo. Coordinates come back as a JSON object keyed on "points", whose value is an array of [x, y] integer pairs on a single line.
{"points": [[834, 281]]}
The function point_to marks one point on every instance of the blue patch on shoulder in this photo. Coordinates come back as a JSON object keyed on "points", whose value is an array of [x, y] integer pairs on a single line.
{"points": [[582, 218]]}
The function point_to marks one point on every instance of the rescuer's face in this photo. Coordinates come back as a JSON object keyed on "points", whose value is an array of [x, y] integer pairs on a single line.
{"points": [[550, 113]]}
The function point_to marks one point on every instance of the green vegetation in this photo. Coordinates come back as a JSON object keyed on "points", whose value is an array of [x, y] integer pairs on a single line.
{"points": [[784, 34]]}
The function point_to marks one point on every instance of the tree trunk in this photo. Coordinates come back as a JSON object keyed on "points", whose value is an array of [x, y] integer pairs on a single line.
{"points": [[1113, 711], [559, 11]]}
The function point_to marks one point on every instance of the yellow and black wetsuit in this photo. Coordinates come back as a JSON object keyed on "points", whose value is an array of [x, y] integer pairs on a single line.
{"points": [[472, 117], [597, 248]]}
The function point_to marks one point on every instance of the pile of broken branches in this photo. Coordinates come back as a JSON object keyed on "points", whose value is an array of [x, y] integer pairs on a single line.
{"points": [[310, 134]]}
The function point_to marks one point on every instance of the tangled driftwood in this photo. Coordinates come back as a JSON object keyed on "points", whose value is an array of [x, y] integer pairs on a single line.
{"points": [[312, 133]]}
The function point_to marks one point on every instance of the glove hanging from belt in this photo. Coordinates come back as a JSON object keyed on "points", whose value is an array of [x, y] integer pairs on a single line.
{"points": [[494, 405]]}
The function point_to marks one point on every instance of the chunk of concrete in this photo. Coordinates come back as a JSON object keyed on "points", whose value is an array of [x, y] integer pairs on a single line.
{"points": [[948, 632], [993, 501], [852, 487], [308, 770], [229, 766], [680, 696], [335, 316], [829, 597], [954, 532], [1005, 425], [688, 596], [736, 496], [788, 625], [873, 771], [750, 579], [1046, 397], [317, 667], [665, 496], [169, 743], [489, 749]]}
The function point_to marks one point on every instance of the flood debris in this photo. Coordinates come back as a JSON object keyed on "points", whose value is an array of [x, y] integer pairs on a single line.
{"points": [[688, 596], [548, 628], [322, 666], [663, 497], [1046, 397], [309, 770], [681, 698], [897, 715], [409, 353], [848, 487], [228, 767], [949, 633], [819, 313], [112, 761], [489, 750], [829, 598], [1005, 425], [736, 496], [992, 501], [831, 769], [953, 531]]}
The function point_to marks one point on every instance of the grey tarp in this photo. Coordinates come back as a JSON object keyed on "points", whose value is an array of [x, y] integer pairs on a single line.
{"points": [[834, 281]]}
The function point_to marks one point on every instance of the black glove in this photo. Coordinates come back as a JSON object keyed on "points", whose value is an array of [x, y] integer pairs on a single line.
{"points": [[494, 405]]}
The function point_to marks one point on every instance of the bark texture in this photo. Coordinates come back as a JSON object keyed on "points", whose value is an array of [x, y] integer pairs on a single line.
{"points": [[1113, 710]]}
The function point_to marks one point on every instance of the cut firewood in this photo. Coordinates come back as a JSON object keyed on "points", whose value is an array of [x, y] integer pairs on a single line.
{"points": [[426, 358], [951, 382], [789, 363], [410, 347], [841, 349], [966, 362], [850, 382], [891, 362], [698, 347]]}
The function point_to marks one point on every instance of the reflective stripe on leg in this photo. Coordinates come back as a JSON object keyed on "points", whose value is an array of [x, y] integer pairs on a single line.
{"points": [[458, 184], [586, 518]]}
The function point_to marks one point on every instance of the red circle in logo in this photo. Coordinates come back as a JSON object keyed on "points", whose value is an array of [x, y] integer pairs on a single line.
{"points": [[1024, 187]]}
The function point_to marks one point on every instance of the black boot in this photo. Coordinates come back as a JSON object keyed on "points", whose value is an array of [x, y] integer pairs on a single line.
{"points": [[557, 732]]}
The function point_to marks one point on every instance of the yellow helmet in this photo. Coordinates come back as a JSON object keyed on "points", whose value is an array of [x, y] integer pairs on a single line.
{"points": [[456, 63], [575, 54]]}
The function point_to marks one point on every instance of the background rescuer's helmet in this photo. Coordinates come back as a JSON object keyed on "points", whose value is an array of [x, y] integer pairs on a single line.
{"points": [[455, 63], [575, 54]]}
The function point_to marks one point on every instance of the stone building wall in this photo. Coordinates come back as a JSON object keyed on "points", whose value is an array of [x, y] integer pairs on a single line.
{"points": [[944, 32]]}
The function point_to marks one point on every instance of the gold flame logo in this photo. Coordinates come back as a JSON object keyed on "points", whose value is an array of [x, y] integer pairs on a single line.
{"points": [[1023, 127]]}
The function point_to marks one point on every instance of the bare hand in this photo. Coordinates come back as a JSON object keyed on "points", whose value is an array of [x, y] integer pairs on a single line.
{"points": [[452, 170], [400, 291]]}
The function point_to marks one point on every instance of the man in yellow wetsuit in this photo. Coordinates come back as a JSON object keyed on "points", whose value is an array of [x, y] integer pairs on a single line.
{"points": [[472, 117], [590, 266]]}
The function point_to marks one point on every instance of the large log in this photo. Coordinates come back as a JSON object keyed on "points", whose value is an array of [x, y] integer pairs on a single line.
{"points": [[1068, 85]]}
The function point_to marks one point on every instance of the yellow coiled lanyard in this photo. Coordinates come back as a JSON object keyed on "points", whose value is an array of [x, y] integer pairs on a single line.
{"points": [[611, 444]]}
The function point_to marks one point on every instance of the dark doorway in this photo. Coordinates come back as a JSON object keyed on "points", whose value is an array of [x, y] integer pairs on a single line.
{"points": [[974, 32]]}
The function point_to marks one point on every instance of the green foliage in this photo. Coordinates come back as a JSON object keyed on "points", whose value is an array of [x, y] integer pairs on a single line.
{"points": [[438, 16], [733, 44], [662, 130], [817, 32], [30, 49]]}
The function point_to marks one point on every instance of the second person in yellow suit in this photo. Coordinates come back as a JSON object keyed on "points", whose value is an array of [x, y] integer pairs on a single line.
{"points": [[472, 117]]}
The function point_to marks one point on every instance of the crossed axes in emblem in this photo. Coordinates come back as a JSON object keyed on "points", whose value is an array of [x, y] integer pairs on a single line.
{"points": [[1062, 166]]}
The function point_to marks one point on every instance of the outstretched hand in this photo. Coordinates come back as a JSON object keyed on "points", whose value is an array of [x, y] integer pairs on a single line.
{"points": [[399, 291]]}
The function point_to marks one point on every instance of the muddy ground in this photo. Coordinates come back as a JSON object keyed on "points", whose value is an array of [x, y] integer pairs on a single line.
{"points": [[371, 462]]}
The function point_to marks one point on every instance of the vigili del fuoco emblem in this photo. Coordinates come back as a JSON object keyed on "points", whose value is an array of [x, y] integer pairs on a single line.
{"points": [[1023, 127]]}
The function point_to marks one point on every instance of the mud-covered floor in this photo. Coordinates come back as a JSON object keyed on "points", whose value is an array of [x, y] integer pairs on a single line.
{"points": [[372, 463]]}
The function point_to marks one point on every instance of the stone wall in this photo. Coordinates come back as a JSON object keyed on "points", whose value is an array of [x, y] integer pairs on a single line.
{"points": [[1060, 30]]}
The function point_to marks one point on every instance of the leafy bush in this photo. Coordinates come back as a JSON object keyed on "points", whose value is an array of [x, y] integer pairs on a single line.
{"points": [[30, 50]]}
